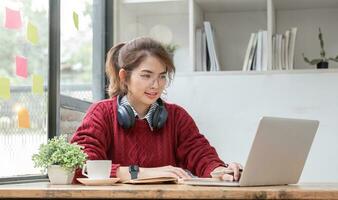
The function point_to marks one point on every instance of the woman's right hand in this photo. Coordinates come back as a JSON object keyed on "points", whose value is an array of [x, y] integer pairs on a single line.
{"points": [[165, 171]]}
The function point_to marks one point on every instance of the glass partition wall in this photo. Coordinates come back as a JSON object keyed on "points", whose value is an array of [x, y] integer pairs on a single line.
{"points": [[27, 93], [23, 83]]}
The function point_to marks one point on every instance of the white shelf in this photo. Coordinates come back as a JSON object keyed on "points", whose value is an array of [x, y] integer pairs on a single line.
{"points": [[225, 73], [232, 5], [156, 7], [233, 22], [305, 4], [308, 16]]}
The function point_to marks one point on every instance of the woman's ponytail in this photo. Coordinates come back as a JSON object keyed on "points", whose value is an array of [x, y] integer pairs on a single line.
{"points": [[112, 71]]}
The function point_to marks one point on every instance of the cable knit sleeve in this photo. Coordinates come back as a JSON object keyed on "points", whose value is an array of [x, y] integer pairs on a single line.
{"points": [[95, 135], [194, 152]]}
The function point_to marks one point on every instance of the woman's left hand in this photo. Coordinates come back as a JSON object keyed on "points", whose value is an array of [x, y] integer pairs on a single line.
{"points": [[223, 172]]}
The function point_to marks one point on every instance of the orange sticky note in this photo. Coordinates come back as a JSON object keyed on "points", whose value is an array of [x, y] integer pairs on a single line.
{"points": [[5, 92], [21, 66], [23, 118], [13, 19], [32, 33], [37, 87]]}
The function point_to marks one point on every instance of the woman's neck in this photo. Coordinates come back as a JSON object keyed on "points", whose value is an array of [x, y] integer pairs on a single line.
{"points": [[140, 108]]}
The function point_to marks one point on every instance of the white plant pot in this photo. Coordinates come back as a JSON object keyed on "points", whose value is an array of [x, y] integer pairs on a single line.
{"points": [[58, 175]]}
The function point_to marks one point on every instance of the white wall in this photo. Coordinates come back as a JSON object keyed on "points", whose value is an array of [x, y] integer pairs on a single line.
{"points": [[227, 107]]}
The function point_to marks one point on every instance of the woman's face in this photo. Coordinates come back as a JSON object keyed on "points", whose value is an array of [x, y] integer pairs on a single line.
{"points": [[147, 82]]}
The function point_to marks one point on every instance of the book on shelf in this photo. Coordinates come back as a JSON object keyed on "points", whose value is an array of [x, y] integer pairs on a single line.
{"points": [[252, 53], [259, 52], [282, 52], [204, 52], [248, 52], [198, 50], [274, 52], [211, 46], [252, 59], [287, 52], [256, 55], [279, 52], [264, 66], [292, 47], [283, 49]]}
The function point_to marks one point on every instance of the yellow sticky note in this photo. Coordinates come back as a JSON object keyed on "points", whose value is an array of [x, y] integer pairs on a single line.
{"points": [[32, 33], [76, 20], [37, 85], [23, 118], [5, 92]]}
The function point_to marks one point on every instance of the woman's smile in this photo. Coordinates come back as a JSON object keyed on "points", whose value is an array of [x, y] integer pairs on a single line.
{"points": [[151, 95]]}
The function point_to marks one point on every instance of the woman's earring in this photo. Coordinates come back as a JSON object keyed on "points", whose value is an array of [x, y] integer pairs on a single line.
{"points": [[164, 94]]}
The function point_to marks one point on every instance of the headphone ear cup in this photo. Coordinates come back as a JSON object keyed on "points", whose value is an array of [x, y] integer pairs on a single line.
{"points": [[159, 117], [125, 116]]}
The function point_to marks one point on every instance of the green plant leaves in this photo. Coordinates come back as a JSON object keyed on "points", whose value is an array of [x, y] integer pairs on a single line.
{"points": [[322, 51], [312, 62], [58, 151]]}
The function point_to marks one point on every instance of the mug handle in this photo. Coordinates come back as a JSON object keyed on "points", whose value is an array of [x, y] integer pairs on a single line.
{"points": [[84, 169]]}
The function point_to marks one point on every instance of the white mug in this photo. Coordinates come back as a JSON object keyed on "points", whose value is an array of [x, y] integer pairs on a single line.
{"points": [[97, 169]]}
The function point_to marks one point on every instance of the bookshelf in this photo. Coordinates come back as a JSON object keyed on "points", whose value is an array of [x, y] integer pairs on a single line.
{"points": [[307, 16], [233, 21]]}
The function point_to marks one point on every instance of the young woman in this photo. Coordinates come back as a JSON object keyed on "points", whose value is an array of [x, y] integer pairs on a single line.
{"points": [[143, 135]]}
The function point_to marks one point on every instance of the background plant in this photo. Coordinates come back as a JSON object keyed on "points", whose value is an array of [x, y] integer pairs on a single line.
{"points": [[322, 53], [171, 48], [58, 151]]}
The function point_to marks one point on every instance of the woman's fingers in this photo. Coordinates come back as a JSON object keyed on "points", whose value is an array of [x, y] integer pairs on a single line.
{"points": [[240, 166], [227, 177], [235, 167], [177, 171], [180, 172]]}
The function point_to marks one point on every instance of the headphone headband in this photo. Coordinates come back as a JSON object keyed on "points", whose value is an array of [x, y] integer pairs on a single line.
{"points": [[126, 116]]}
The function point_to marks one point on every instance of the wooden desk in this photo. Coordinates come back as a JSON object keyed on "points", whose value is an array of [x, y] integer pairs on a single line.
{"points": [[169, 191]]}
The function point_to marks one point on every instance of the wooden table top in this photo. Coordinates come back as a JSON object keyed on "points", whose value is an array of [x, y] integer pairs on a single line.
{"points": [[168, 191]]}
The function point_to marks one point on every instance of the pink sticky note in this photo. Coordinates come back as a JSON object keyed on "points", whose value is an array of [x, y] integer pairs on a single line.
{"points": [[13, 19], [21, 66]]}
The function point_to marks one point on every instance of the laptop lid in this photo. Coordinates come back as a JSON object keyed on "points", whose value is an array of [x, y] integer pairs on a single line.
{"points": [[279, 151]]}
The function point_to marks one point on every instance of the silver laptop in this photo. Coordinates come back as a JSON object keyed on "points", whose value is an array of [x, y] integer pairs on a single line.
{"points": [[277, 156]]}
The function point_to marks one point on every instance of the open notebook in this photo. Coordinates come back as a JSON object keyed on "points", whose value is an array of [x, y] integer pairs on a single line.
{"points": [[190, 181]]}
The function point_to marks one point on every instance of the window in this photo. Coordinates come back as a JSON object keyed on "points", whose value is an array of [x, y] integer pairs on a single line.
{"points": [[24, 65], [29, 99], [76, 49], [81, 49]]}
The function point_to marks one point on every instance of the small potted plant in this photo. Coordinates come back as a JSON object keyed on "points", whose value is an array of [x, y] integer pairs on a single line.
{"points": [[321, 62], [60, 158], [170, 48]]}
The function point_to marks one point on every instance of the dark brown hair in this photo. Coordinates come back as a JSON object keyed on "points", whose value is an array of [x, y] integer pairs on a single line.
{"points": [[128, 56]]}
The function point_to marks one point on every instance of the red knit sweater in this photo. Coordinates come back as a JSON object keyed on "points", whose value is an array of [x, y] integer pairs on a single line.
{"points": [[178, 143]]}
